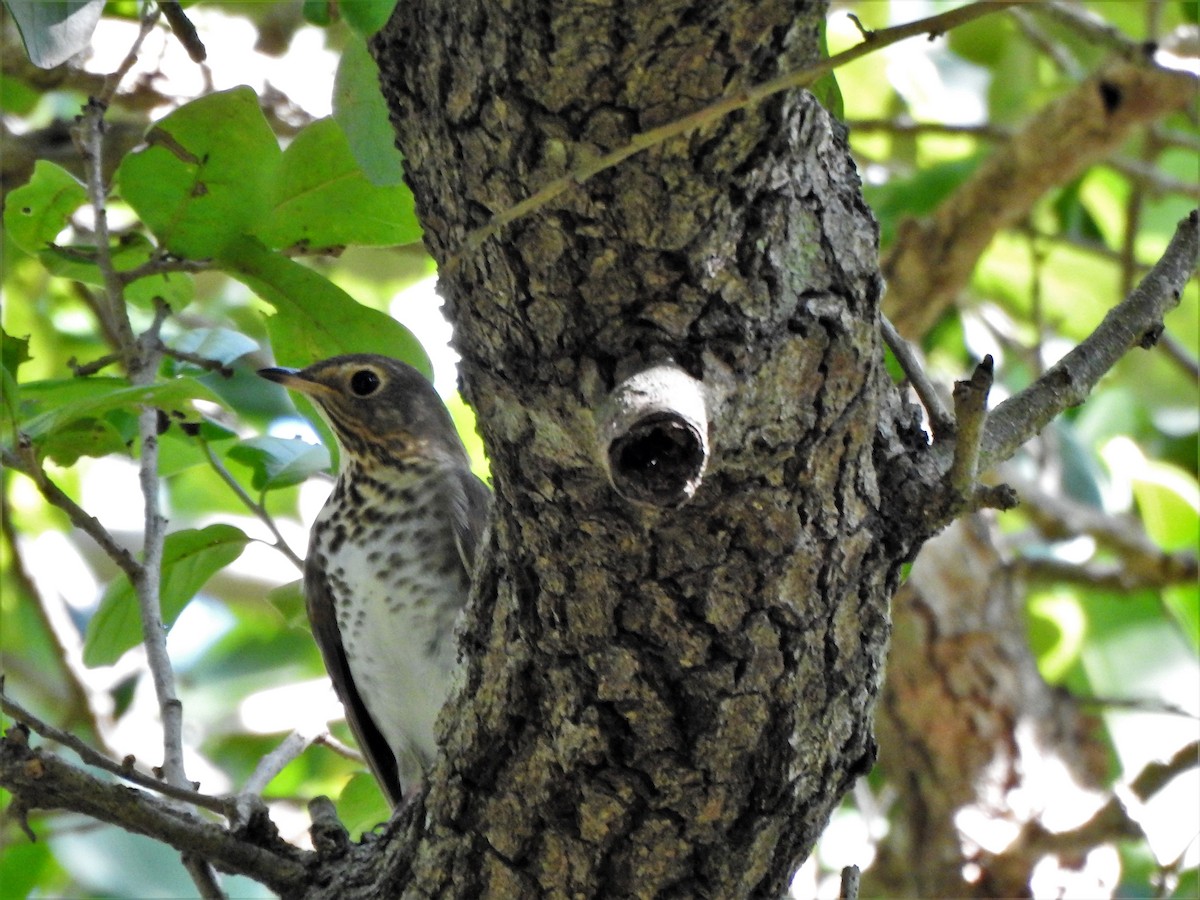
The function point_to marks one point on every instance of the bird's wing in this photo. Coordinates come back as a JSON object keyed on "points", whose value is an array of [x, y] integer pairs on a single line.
{"points": [[469, 502], [323, 619]]}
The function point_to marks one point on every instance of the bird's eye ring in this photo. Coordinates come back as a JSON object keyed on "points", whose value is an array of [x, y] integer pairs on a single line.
{"points": [[364, 382]]}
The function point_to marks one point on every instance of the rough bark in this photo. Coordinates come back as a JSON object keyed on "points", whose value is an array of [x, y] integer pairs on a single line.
{"points": [[657, 702]]}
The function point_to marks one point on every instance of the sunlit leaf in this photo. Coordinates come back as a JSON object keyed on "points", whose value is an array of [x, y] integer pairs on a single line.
{"points": [[280, 462], [1169, 501], [190, 558], [36, 212], [314, 319], [56, 404], [323, 199], [1183, 602], [206, 175]]}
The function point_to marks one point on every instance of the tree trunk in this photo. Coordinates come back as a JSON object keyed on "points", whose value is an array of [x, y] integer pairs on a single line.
{"points": [[659, 700]]}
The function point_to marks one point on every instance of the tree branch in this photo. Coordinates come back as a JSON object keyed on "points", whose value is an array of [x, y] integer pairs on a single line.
{"points": [[24, 460], [931, 260], [40, 780], [1136, 321], [940, 421], [797, 78], [1117, 576], [123, 769], [1112, 821], [1142, 562], [257, 508]]}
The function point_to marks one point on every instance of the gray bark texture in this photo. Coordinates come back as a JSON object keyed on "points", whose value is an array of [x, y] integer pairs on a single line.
{"points": [[658, 702]]}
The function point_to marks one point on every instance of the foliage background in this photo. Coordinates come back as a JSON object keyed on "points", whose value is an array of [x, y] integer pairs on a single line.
{"points": [[308, 212]]}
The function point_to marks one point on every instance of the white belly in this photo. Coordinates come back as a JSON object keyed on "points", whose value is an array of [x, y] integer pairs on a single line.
{"points": [[396, 610]]}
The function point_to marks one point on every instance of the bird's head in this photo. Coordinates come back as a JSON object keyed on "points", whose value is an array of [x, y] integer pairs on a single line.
{"points": [[381, 410]]}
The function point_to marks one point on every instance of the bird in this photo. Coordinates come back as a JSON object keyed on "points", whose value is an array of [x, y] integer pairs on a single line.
{"points": [[390, 556]]}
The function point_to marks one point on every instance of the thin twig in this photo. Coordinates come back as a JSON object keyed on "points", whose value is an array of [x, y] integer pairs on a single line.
{"points": [[257, 508], [150, 584], [203, 877], [1091, 27], [274, 762], [184, 30], [1117, 576], [939, 417], [341, 749], [82, 370], [204, 362], [91, 139], [24, 460], [986, 131], [719, 109], [124, 770], [1050, 48], [1154, 179], [1136, 704], [149, 17], [1179, 355], [163, 265]]}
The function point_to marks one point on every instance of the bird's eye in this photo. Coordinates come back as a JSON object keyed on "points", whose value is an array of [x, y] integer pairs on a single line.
{"points": [[364, 382]]}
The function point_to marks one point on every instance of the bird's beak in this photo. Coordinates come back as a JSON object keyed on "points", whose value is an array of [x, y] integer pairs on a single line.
{"points": [[290, 378]]}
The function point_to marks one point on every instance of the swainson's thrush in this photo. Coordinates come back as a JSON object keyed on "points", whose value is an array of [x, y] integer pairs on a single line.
{"points": [[390, 555]]}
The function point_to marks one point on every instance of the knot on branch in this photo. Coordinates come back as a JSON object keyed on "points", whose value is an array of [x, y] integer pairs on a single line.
{"points": [[963, 490], [654, 436], [329, 835]]}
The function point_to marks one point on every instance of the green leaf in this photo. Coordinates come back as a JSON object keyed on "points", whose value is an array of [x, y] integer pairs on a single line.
{"points": [[207, 174], [190, 558], [464, 422], [112, 433], [288, 600], [361, 805], [918, 195], [1189, 885], [71, 400], [317, 12], [314, 318], [36, 212], [55, 30], [17, 98], [360, 110], [366, 16], [826, 89], [280, 462], [13, 352], [1169, 501], [24, 868], [1183, 602], [323, 199]]}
